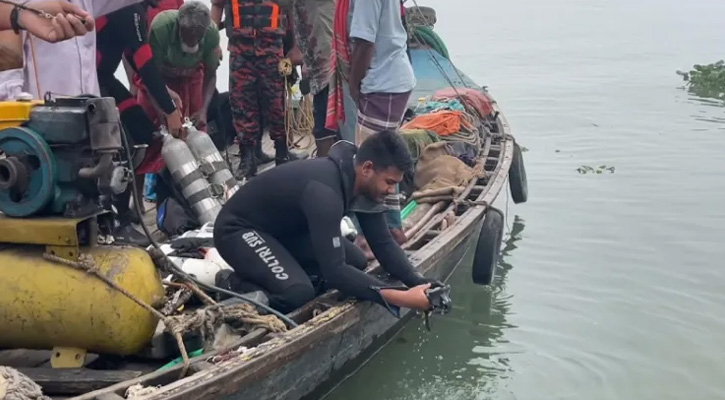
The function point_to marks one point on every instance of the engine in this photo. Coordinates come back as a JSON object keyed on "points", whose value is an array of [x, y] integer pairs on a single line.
{"points": [[62, 157]]}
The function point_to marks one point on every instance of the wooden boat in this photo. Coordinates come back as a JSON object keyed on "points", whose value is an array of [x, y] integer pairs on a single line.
{"points": [[334, 335]]}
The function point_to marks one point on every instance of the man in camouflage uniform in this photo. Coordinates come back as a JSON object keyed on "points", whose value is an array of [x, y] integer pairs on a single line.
{"points": [[256, 31]]}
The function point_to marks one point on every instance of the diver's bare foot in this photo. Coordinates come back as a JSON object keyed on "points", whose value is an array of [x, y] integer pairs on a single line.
{"points": [[398, 236], [362, 243]]}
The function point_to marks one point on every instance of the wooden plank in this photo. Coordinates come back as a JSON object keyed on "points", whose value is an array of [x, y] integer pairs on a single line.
{"points": [[75, 381], [200, 366], [22, 358]]}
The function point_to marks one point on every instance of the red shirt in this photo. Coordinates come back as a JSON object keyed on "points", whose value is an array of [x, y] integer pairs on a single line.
{"points": [[163, 6]]}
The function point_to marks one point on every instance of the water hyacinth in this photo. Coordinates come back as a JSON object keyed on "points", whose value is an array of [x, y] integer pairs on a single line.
{"points": [[706, 80]]}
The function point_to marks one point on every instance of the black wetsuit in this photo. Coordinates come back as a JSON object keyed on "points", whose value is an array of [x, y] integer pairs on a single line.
{"points": [[124, 32], [284, 225]]}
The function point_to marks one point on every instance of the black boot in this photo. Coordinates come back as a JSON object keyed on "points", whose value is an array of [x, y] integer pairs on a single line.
{"points": [[247, 165], [283, 154], [260, 156], [126, 234]]}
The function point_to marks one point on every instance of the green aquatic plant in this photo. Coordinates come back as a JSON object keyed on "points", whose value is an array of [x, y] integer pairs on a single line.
{"points": [[706, 80], [586, 169]]}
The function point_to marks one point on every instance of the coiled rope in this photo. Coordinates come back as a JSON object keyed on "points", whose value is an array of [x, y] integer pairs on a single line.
{"points": [[16, 386], [298, 125]]}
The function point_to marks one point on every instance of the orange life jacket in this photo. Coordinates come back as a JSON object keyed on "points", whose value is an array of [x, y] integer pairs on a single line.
{"points": [[250, 18]]}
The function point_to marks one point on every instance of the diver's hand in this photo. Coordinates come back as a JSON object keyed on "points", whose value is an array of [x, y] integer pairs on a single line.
{"points": [[413, 298]]}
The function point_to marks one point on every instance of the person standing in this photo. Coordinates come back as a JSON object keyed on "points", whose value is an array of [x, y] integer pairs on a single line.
{"points": [[381, 77], [77, 56], [256, 32], [313, 32]]}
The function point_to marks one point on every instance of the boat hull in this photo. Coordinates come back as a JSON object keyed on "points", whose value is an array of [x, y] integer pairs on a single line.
{"points": [[336, 356], [313, 357]]}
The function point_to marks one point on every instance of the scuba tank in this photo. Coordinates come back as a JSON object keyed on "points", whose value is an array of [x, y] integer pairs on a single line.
{"points": [[211, 162], [186, 173]]}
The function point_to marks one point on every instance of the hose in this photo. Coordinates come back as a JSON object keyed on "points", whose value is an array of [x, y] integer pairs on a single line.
{"points": [[174, 267]]}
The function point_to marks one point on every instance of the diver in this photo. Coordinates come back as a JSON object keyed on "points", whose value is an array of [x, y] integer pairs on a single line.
{"points": [[281, 230]]}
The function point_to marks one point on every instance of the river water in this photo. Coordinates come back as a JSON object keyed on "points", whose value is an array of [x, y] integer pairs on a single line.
{"points": [[611, 284]]}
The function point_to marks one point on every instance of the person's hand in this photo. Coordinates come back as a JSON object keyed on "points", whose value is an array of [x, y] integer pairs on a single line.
{"points": [[413, 298], [175, 98], [199, 118], [65, 24], [305, 71], [417, 298], [174, 125], [295, 55]]}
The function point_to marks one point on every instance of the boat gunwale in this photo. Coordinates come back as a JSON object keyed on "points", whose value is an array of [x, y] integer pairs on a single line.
{"points": [[334, 320]]}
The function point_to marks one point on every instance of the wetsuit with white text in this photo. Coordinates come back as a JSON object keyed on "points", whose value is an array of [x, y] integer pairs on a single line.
{"points": [[284, 225]]}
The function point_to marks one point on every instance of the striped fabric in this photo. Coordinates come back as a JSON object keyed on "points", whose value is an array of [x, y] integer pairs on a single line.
{"points": [[378, 112]]}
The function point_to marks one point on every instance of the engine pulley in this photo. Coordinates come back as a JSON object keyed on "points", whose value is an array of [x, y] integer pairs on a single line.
{"points": [[27, 173]]}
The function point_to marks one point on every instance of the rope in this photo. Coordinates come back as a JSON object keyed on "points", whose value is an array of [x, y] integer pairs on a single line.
{"points": [[177, 325], [205, 320], [16, 386], [296, 124], [430, 52], [432, 39]]}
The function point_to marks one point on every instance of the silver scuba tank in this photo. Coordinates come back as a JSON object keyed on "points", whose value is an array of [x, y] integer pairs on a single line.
{"points": [[186, 173], [211, 162]]}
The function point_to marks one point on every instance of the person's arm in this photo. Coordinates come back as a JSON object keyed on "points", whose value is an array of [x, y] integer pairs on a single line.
{"points": [[294, 54], [363, 32], [323, 210], [217, 13], [391, 257], [133, 33], [69, 20], [211, 61]]}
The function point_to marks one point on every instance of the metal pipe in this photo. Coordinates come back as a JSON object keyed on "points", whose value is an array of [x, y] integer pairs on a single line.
{"points": [[104, 164]]}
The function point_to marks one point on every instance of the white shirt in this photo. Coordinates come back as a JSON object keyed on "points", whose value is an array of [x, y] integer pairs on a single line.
{"points": [[66, 68]]}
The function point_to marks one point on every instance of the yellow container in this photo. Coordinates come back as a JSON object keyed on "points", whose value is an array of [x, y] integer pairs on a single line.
{"points": [[14, 113], [44, 304]]}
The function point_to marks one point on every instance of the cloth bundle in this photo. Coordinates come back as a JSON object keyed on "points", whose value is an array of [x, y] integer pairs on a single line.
{"points": [[443, 123], [473, 98], [417, 140], [441, 175]]}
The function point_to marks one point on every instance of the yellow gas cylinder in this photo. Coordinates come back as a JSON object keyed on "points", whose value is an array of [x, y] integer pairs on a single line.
{"points": [[44, 304]]}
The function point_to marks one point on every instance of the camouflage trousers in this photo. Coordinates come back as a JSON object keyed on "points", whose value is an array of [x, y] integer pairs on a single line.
{"points": [[256, 92]]}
